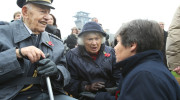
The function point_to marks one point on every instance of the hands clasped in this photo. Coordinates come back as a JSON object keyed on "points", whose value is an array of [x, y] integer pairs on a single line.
{"points": [[46, 67], [95, 86]]}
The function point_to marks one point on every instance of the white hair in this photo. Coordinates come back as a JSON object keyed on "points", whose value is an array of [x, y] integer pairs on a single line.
{"points": [[28, 5], [81, 38]]}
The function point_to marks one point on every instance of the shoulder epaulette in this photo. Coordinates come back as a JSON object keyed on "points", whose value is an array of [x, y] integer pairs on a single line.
{"points": [[50, 34]]}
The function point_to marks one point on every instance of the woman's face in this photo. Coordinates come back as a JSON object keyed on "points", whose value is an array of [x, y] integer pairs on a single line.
{"points": [[121, 51], [51, 20], [92, 42], [74, 31]]}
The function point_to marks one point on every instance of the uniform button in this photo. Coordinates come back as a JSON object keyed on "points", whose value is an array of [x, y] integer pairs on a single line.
{"points": [[42, 90]]}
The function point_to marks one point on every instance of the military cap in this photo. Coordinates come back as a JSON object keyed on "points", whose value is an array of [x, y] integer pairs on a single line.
{"points": [[47, 3]]}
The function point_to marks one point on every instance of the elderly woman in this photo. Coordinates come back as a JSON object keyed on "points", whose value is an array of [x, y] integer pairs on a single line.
{"points": [[144, 75], [91, 63]]}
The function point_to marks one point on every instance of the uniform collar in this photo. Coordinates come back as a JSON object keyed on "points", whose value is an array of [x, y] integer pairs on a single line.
{"points": [[21, 33]]}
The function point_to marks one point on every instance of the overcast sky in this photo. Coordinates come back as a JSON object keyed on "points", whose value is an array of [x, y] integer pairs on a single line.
{"points": [[111, 13]]}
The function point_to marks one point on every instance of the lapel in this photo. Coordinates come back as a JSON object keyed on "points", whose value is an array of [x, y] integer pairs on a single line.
{"points": [[20, 32], [45, 39], [44, 46], [101, 57]]}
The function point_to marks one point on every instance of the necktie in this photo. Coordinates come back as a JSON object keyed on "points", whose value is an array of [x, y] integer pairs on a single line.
{"points": [[34, 39]]}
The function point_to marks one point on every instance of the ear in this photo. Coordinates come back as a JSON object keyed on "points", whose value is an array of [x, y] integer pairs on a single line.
{"points": [[25, 12], [133, 47]]}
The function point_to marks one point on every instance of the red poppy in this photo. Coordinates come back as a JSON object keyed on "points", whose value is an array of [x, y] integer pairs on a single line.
{"points": [[106, 54], [117, 94], [50, 43]]}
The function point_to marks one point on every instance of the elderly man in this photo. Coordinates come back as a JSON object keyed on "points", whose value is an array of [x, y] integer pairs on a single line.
{"points": [[24, 46]]}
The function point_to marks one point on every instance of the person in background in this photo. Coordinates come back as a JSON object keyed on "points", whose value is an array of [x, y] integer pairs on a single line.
{"points": [[94, 19], [52, 26], [107, 38], [140, 60], [28, 55], [114, 42], [17, 16], [71, 40], [91, 64], [165, 38]]}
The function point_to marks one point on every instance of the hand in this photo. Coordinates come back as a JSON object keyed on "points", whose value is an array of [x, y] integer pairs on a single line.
{"points": [[31, 52], [95, 86], [46, 67], [177, 70]]}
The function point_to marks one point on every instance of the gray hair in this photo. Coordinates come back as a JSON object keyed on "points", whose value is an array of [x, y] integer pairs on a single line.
{"points": [[28, 5], [146, 33], [81, 38]]}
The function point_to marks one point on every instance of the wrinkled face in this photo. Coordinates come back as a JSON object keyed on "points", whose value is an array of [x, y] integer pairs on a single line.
{"points": [[92, 42], [121, 51], [17, 17], [36, 17], [51, 20]]}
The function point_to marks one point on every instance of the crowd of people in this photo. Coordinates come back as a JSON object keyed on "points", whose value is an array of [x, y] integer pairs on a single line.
{"points": [[142, 63]]}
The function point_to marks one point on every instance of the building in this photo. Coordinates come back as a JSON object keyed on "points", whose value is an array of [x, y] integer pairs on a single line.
{"points": [[81, 19]]}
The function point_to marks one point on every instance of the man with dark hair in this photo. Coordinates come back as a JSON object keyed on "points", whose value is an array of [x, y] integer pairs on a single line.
{"points": [[143, 73], [24, 60]]}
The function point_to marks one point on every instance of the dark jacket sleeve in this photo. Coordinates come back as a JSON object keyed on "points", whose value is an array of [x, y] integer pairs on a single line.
{"points": [[53, 30], [146, 86], [75, 85]]}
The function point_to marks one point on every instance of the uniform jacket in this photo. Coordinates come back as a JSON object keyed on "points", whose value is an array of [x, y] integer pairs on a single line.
{"points": [[84, 70], [173, 42], [15, 36], [145, 77]]}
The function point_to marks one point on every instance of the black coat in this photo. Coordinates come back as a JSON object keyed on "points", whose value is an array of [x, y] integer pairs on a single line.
{"points": [[145, 77], [71, 41], [53, 30], [84, 70]]}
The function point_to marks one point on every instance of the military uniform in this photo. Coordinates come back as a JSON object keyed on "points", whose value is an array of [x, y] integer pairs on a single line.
{"points": [[15, 35]]}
